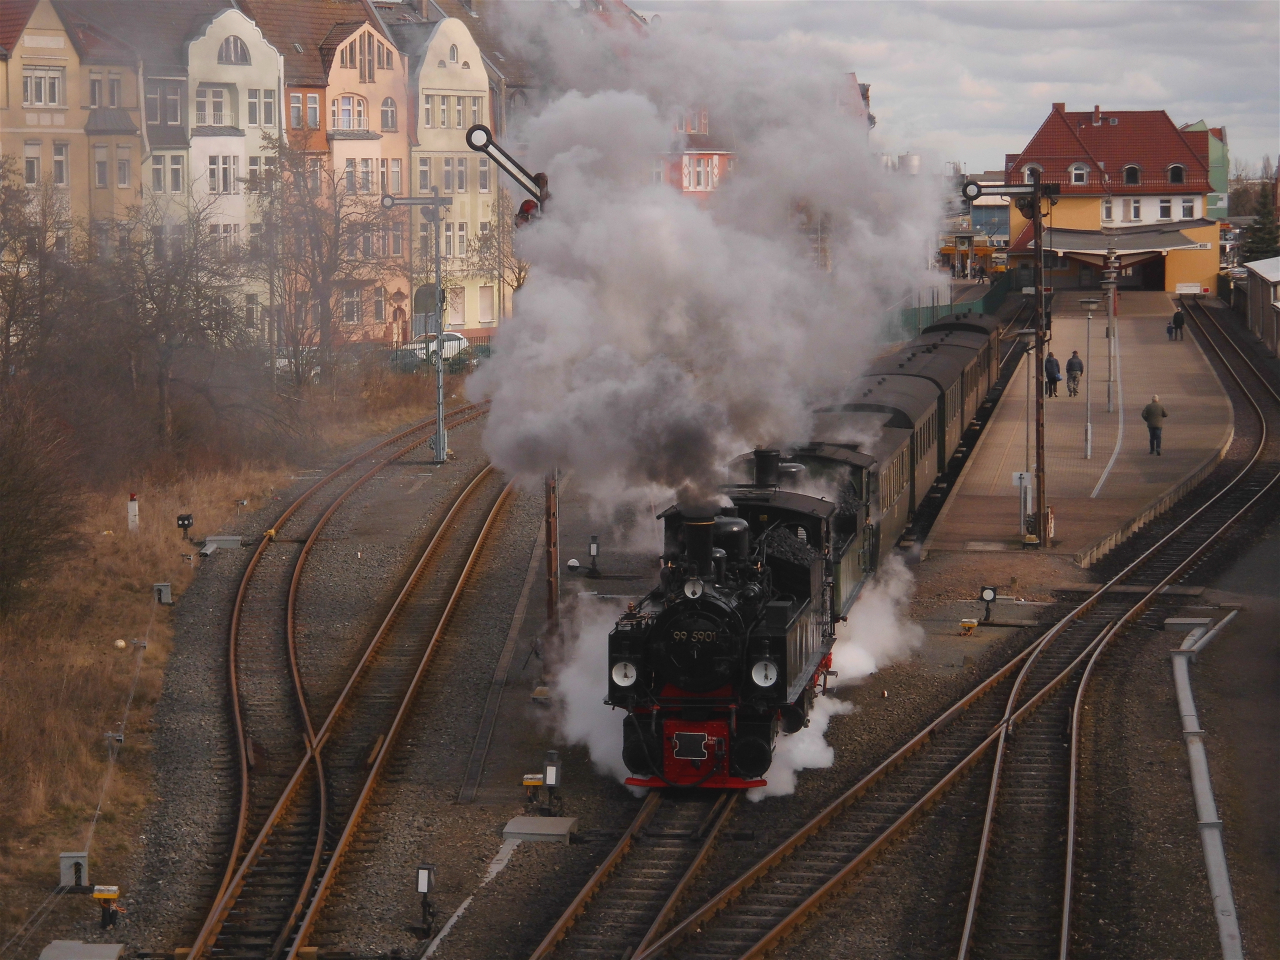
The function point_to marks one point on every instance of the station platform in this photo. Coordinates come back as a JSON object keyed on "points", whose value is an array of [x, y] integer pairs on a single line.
{"points": [[1098, 502]]}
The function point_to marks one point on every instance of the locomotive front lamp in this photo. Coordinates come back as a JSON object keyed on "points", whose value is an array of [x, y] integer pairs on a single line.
{"points": [[693, 588], [988, 595], [185, 522], [624, 674], [764, 673]]}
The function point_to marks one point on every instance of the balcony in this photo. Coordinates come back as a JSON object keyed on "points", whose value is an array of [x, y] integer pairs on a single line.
{"points": [[349, 123], [215, 119]]}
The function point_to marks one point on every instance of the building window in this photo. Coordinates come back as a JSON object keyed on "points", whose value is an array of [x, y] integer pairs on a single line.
{"points": [[31, 163], [486, 304], [1166, 209], [462, 239], [224, 174], [483, 164], [225, 237], [100, 167], [1188, 204], [388, 114], [700, 173], [254, 96], [349, 176], [395, 176], [659, 172], [157, 173], [380, 304], [42, 87], [366, 175], [475, 111], [295, 111], [457, 307], [448, 174], [366, 242], [384, 176], [459, 108], [1106, 209], [1131, 177], [424, 174], [1135, 209], [462, 175], [448, 239], [347, 113], [1079, 174], [397, 242], [251, 309], [453, 53], [95, 91], [255, 175], [426, 109], [313, 111], [313, 172], [424, 238], [1029, 173], [444, 112], [1177, 173], [113, 91], [255, 241], [175, 174], [268, 108], [233, 50], [211, 107], [351, 305], [60, 151]]}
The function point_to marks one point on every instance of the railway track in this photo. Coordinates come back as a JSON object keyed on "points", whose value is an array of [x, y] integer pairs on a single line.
{"points": [[1020, 725], [632, 896], [275, 734]]}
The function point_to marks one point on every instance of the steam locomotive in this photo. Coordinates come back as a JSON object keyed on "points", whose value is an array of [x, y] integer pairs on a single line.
{"points": [[734, 643]]}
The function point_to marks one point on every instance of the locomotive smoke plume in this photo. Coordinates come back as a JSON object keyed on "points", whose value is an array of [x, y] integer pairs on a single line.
{"points": [[658, 337]]}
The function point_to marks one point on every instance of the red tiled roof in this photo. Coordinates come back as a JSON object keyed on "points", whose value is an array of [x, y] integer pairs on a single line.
{"points": [[14, 15], [307, 23], [1145, 138]]}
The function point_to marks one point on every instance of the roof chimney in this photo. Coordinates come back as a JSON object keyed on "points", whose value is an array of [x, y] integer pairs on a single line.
{"points": [[1059, 108], [1097, 115]]}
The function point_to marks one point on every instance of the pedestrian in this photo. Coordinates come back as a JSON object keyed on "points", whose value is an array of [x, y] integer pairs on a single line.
{"points": [[953, 270], [1155, 415], [1075, 367], [1052, 374], [1179, 321]]}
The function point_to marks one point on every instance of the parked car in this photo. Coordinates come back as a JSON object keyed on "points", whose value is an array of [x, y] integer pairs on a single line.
{"points": [[423, 349]]}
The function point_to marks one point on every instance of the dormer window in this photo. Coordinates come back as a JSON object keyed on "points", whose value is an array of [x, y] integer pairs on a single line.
{"points": [[233, 50], [1030, 172], [453, 53], [1079, 174], [1131, 175], [1177, 173]]}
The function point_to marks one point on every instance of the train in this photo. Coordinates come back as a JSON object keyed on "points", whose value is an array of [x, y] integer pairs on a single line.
{"points": [[733, 644]]}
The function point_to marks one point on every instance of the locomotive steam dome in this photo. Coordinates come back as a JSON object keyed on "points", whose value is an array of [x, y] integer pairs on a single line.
{"points": [[695, 645]]}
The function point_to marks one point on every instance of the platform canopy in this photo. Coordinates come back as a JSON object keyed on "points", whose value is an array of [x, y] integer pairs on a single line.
{"points": [[1133, 244]]}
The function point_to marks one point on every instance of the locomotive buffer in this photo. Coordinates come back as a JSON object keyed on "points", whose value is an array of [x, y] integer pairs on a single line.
{"points": [[1029, 198]]}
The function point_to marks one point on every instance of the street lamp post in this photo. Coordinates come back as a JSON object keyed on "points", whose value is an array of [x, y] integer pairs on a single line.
{"points": [[1090, 304], [434, 204]]}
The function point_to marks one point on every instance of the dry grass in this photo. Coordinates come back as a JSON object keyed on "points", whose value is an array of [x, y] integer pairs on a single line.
{"points": [[65, 683]]}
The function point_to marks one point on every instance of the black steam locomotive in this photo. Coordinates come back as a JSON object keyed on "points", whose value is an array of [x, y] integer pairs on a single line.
{"points": [[735, 641]]}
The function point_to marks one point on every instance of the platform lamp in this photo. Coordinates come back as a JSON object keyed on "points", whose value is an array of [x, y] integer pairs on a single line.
{"points": [[185, 522], [1090, 304], [426, 883], [988, 595]]}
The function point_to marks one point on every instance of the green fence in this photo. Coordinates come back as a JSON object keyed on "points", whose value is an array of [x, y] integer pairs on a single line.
{"points": [[911, 320]]}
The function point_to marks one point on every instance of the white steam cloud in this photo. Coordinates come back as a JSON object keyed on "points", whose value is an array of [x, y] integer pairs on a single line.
{"points": [[657, 337]]}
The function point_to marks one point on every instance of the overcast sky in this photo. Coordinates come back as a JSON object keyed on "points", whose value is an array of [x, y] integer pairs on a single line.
{"points": [[971, 82]]}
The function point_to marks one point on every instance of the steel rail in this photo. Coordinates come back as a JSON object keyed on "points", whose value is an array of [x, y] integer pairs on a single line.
{"points": [[406, 704], [597, 879], [1135, 611], [467, 412], [223, 906], [695, 920]]}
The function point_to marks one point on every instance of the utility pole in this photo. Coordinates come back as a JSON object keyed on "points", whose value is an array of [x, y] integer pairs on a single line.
{"points": [[1110, 273], [1029, 198], [480, 139], [434, 204]]}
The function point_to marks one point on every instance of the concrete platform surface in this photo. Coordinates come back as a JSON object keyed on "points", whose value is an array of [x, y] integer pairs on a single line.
{"points": [[75, 950], [544, 829], [1096, 502]]}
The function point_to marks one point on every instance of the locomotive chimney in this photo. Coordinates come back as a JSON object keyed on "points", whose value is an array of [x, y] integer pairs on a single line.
{"points": [[767, 467], [698, 540]]}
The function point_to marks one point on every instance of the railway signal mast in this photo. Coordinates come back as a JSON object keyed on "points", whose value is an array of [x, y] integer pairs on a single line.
{"points": [[1029, 198], [480, 139]]}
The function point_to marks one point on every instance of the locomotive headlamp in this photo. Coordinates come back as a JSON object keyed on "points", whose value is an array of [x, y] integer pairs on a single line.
{"points": [[693, 588], [623, 673], [764, 673]]}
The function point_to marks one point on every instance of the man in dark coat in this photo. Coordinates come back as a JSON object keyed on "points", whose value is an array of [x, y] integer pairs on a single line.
{"points": [[1155, 416], [1179, 321], [1052, 374], [1075, 368]]}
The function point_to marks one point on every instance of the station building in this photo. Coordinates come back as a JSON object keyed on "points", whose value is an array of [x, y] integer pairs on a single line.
{"points": [[1130, 178]]}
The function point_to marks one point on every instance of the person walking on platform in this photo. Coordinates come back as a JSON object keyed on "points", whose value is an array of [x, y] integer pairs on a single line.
{"points": [[1179, 321], [1075, 368], [1155, 416], [1052, 374]]}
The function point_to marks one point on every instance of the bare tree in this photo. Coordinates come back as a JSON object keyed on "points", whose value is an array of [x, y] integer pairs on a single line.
{"points": [[493, 256]]}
